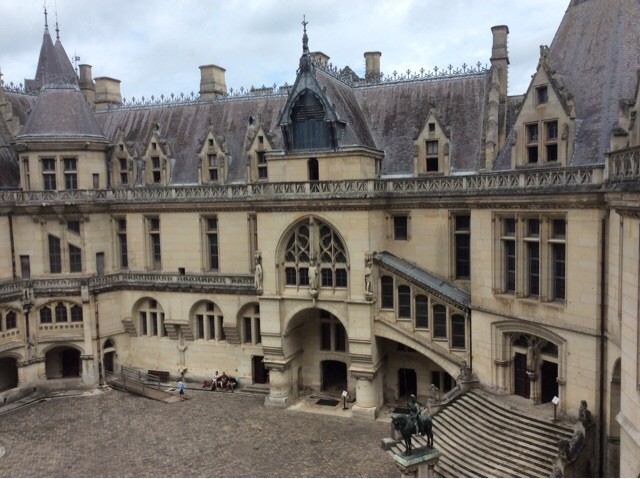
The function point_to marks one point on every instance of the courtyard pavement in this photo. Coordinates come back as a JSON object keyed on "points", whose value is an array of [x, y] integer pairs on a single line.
{"points": [[212, 434]]}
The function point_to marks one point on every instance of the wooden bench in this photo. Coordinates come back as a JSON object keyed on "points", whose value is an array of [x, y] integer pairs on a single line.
{"points": [[163, 376]]}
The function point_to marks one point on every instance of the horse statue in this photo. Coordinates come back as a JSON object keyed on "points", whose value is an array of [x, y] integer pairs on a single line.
{"points": [[408, 428]]}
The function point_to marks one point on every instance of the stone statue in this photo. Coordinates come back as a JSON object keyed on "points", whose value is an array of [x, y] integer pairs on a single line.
{"points": [[465, 372], [532, 354], [313, 276], [584, 415], [257, 275], [368, 286]]}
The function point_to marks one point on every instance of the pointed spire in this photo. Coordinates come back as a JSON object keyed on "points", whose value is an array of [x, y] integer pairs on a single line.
{"points": [[46, 20], [57, 29], [305, 38]]}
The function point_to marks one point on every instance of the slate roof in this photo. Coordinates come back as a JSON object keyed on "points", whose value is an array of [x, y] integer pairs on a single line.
{"points": [[61, 112], [54, 66], [9, 173], [397, 112], [424, 278]]}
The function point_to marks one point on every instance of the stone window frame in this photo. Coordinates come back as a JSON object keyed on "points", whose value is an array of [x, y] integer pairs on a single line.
{"points": [[26, 175], [70, 172], [207, 232], [212, 161], [49, 175], [211, 314], [4, 324], [432, 133], [454, 232], [120, 233], [251, 312], [151, 232], [521, 239], [326, 319], [70, 310], [391, 225], [146, 325]]}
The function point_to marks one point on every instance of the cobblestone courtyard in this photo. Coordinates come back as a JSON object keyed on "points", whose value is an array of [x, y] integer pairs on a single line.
{"points": [[213, 434]]}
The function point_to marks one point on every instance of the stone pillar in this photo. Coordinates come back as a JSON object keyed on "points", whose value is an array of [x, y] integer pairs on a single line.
{"points": [[366, 405], [279, 388]]}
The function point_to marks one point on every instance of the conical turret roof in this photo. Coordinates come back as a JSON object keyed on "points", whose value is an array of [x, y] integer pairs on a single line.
{"points": [[54, 66]]}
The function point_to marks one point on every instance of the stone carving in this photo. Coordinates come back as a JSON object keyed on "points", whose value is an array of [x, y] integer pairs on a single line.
{"points": [[27, 299], [368, 285], [584, 415], [436, 394], [465, 373], [257, 275], [568, 450], [544, 51], [532, 354], [313, 277]]}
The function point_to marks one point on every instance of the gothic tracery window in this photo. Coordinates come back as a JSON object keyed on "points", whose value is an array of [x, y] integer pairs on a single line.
{"points": [[315, 243]]}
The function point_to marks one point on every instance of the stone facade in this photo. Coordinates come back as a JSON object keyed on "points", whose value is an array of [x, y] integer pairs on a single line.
{"points": [[404, 226]]}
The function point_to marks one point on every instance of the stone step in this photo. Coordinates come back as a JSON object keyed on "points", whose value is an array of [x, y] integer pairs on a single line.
{"points": [[264, 391], [517, 434], [522, 427], [453, 460], [499, 452], [541, 423]]}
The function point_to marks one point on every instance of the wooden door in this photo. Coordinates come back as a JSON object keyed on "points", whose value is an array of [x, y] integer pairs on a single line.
{"points": [[522, 387], [548, 381], [260, 373]]}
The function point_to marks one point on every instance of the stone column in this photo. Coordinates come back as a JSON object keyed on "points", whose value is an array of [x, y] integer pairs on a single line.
{"points": [[366, 405], [279, 388]]}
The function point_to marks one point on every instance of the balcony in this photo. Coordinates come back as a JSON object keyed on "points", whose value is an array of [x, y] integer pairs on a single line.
{"points": [[624, 165]]}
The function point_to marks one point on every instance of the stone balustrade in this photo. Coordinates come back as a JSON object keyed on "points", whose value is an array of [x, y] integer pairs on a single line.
{"points": [[242, 284], [457, 185], [624, 165]]}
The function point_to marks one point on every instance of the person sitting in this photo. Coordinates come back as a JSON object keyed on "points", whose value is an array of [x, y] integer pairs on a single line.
{"points": [[207, 384], [222, 381], [232, 383], [214, 381]]}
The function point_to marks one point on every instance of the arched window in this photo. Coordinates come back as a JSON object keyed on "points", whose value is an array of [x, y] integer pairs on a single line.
{"points": [[76, 314], [309, 128], [439, 321], [404, 301], [61, 313], [251, 324], [151, 317], [422, 311], [312, 166], [207, 322], [386, 292], [458, 333], [315, 242], [45, 315]]}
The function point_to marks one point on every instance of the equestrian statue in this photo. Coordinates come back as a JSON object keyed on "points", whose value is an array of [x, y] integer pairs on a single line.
{"points": [[416, 422]]}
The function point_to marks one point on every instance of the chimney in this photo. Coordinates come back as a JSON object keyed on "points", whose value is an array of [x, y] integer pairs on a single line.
{"points": [[87, 87], [372, 66], [212, 82], [107, 92], [320, 59], [500, 63]]}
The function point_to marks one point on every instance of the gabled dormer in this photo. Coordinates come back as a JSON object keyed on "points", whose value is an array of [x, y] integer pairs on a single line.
{"points": [[212, 159], [544, 130], [122, 164], [258, 144], [157, 160], [633, 121], [431, 148]]}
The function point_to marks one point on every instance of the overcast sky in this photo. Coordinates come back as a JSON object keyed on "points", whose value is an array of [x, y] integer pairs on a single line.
{"points": [[156, 46]]}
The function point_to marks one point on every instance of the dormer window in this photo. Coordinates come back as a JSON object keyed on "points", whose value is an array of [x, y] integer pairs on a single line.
{"points": [[260, 139], [154, 145], [542, 95], [210, 142], [213, 167], [262, 166], [532, 143], [124, 173], [121, 147], [309, 128], [552, 140], [432, 163], [155, 169], [432, 127]]}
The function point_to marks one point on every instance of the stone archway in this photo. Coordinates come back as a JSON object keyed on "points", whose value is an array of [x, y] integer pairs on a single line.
{"points": [[8, 373], [63, 362]]}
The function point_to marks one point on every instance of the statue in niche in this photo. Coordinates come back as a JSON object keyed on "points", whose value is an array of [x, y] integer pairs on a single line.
{"points": [[257, 275], [368, 285], [532, 354], [313, 276]]}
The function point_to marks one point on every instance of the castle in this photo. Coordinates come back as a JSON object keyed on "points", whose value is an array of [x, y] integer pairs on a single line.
{"points": [[371, 234]]}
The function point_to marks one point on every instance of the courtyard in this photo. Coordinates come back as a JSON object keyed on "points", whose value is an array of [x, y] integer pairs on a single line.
{"points": [[212, 434]]}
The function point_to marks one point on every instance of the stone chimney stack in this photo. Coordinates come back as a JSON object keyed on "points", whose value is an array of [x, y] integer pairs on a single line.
{"points": [[107, 92], [372, 66], [212, 82], [87, 87], [320, 59], [500, 63]]}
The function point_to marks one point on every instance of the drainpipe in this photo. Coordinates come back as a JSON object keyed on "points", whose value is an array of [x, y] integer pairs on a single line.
{"points": [[99, 346], [13, 247], [603, 316]]}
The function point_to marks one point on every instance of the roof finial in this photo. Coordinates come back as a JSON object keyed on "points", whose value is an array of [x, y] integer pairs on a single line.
{"points": [[46, 22], [305, 38], [57, 29]]}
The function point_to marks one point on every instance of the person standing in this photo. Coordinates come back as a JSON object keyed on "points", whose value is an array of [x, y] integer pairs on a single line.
{"points": [[181, 389]]}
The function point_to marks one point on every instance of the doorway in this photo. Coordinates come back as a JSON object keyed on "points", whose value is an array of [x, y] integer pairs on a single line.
{"points": [[548, 381], [522, 386], [334, 376], [8, 373], [109, 361], [70, 359], [260, 373], [407, 382]]}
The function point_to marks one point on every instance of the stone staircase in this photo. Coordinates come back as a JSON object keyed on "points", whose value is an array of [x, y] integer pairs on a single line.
{"points": [[480, 438]]}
